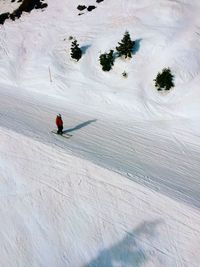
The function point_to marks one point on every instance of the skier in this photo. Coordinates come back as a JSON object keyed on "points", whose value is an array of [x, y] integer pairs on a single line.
{"points": [[59, 124]]}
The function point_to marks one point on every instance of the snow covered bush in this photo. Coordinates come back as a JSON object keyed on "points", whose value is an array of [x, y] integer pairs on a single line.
{"points": [[107, 60], [76, 52], [164, 80], [125, 47]]}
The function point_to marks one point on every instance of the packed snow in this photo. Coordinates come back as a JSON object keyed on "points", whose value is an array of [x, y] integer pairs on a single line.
{"points": [[124, 189]]}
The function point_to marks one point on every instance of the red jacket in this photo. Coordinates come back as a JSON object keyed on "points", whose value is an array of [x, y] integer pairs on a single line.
{"points": [[59, 121]]}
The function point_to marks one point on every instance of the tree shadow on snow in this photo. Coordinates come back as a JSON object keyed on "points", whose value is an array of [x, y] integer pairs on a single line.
{"points": [[84, 48], [136, 46], [79, 126], [129, 251]]}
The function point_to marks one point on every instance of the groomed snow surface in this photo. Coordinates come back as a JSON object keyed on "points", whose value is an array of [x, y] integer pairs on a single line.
{"points": [[60, 210], [124, 189]]}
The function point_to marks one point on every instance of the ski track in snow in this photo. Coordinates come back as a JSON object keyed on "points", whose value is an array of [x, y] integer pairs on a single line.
{"points": [[154, 154], [101, 208], [62, 206]]}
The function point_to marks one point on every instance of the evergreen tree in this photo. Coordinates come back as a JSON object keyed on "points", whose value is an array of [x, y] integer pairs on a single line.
{"points": [[125, 46], [164, 80], [76, 52], [107, 60]]}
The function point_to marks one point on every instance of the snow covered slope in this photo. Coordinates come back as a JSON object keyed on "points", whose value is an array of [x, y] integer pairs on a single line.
{"points": [[167, 35], [124, 189], [59, 210]]}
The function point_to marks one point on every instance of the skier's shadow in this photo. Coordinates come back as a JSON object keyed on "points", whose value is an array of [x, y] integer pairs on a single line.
{"points": [[79, 126]]}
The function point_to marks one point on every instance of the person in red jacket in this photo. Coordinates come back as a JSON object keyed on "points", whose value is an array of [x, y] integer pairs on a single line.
{"points": [[59, 124]]}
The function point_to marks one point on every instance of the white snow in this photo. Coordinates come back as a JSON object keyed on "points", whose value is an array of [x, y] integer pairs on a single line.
{"points": [[60, 210], [124, 189]]}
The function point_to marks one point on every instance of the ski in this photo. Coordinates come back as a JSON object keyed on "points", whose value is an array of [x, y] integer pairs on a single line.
{"points": [[65, 135]]}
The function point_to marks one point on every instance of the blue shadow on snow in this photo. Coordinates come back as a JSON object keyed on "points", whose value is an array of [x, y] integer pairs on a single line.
{"points": [[129, 251], [79, 126], [84, 48]]}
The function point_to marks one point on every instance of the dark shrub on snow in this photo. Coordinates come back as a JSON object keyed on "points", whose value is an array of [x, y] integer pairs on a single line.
{"points": [[107, 60], [164, 80], [125, 47], [90, 8], [76, 52], [81, 7]]}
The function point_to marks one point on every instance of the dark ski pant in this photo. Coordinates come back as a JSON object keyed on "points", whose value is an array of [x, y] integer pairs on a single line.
{"points": [[60, 130]]}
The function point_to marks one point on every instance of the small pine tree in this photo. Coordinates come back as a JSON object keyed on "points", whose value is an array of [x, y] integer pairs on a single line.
{"points": [[125, 46], [107, 60], [164, 80], [76, 52]]}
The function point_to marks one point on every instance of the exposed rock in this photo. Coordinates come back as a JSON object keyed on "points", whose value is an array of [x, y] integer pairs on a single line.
{"points": [[3, 17], [26, 6]]}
